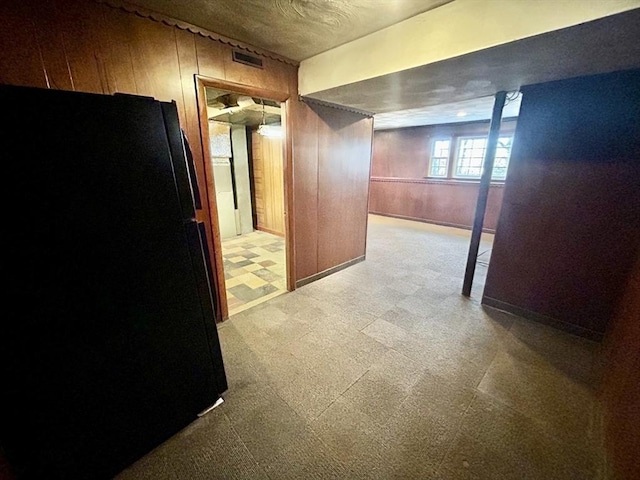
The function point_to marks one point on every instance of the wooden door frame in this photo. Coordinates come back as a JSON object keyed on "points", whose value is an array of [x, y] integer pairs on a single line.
{"points": [[285, 104]]}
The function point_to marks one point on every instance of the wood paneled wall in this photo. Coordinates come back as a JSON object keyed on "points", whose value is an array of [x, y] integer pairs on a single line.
{"points": [[94, 47], [268, 182], [621, 388], [399, 186], [332, 148], [570, 221]]}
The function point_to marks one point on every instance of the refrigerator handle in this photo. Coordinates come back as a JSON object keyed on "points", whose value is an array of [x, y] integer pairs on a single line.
{"points": [[193, 179]]}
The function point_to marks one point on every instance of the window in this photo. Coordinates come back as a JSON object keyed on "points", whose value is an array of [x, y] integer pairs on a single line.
{"points": [[440, 158], [470, 158]]}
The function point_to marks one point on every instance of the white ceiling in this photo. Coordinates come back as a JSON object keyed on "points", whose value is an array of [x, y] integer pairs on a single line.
{"points": [[456, 112]]}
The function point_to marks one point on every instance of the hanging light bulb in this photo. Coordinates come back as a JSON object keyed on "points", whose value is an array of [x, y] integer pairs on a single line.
{"points": [[268, 130]]}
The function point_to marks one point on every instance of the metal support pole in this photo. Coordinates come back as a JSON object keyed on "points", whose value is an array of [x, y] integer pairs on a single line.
{"points": [[483, 193]]}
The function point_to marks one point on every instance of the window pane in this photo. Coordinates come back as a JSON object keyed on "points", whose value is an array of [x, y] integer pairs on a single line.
{"points": [[439, 158], [501, 162], [470, 157]]}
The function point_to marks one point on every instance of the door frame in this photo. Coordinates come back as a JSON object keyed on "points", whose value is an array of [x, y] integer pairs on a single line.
{"points": [[287, 145]]}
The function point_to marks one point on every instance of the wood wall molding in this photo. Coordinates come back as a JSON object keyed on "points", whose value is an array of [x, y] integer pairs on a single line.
{"points": [[322, 103], [433, 181], [400, 188], [172, 22]]}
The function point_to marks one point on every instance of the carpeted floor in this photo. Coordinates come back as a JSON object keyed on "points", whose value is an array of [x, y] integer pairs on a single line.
{"points": [[384, 371]]}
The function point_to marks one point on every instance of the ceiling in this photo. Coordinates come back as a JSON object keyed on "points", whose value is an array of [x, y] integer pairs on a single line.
{"points": [[604, 45], [457, 112], [296, 29], [229, 107], [429, 94]]}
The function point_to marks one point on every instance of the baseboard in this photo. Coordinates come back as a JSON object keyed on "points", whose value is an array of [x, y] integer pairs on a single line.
{"points": [[328, 271], [272, 232], [434, 222], [537, 317]]}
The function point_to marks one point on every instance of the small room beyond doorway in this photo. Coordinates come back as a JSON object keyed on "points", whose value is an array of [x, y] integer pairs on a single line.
{"points": [[246, 145]]}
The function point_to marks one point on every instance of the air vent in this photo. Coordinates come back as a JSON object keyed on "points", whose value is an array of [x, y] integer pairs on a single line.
{"points": [[247, 59]]}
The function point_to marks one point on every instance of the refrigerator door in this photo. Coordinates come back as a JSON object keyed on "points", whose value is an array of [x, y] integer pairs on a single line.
{"points": [[108, 349]]}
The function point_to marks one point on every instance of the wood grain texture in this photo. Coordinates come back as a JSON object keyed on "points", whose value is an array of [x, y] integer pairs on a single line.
{"points": [[210, 58], [442, 202], [268, 175], [95, 47], [86, 46], [20, 58], [344, 162], [621, 389], [570, 221], [305, 188], [401, 156]]}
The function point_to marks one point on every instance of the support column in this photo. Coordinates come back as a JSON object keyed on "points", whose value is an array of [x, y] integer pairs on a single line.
{"points": [[483, 193]]}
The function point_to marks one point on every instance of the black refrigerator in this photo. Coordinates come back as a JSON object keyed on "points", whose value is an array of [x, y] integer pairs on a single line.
{"points": [[108, 343]]}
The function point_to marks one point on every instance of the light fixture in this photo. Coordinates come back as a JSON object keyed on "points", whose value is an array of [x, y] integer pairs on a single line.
{"points": [[461, 114], [268, 130]]}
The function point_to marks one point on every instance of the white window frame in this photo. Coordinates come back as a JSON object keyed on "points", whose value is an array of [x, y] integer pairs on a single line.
{"points": [[433, 156], [460, 152]]}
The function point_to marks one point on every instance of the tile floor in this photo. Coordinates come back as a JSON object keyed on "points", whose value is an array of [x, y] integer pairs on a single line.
{"points": [[254, 269], [384, 371]]}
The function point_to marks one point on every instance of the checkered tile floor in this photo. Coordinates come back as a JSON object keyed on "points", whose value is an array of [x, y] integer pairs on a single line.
{"points": [[254, 269]]}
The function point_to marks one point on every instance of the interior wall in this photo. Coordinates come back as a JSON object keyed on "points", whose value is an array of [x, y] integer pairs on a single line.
{"points": [[333, 152], [570, 220], [220, 148], [621, 389], [243, 185], [399, 183], [93, 47]]}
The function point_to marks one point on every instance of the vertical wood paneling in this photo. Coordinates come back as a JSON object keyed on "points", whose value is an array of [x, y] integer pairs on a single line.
{"points": [[268, 177], [269, 77], [84, 35], [119, 61], [92, 47], [20, 59], [569, 227], [305, 194], [188, 64], [344, 160], [210, 57], [156, 68], [621, 389], [52, 46]]}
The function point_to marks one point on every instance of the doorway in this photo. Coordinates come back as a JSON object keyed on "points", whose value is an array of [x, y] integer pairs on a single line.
{"points": [[246, 151]]}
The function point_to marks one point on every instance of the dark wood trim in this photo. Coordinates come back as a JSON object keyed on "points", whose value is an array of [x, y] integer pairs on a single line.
{"points": [[284, 99], [434, 181], [210, 195], [329, 271], [289, 224], [536, 317], [432, 222], [322, 103]]}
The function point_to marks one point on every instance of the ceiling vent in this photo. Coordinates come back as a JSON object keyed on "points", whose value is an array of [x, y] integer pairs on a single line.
{"points": [[247, 59]]}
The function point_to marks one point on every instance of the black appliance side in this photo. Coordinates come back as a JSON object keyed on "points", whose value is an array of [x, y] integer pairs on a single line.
{"points": [[187, 186], [106, 352]]}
